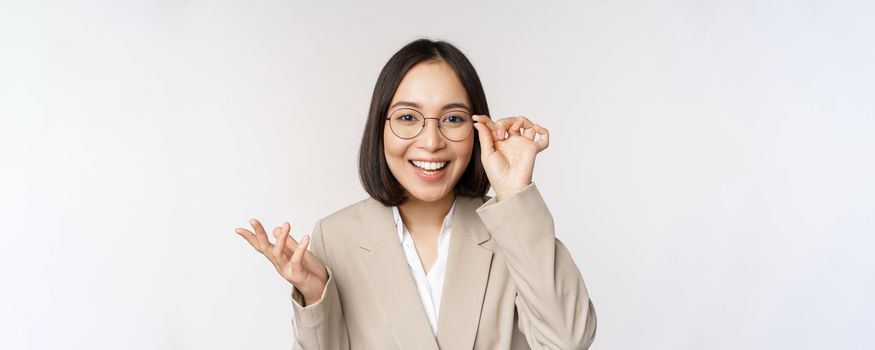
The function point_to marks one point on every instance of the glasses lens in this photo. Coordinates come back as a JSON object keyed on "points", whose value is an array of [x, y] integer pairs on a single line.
{"points": [[405, 123], [457, 125]]}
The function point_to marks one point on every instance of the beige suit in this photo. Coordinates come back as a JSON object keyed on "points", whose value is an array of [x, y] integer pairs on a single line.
{"points": [[509, 284]]}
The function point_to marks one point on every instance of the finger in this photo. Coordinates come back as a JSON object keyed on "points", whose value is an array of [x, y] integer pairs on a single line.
{"points": [[485, 134], [526, 124], [529, 133], [499, 130], [515, 128], [485, 120], [508, 122], [544, 139], [263, 242], [284, 235], [277, 234], [504, 124], [298, 257], [248, 236], [290, 244], [280, 242]]}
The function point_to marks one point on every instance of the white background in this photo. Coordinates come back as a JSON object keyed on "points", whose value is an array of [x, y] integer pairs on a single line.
{"points": [[711, 162]]}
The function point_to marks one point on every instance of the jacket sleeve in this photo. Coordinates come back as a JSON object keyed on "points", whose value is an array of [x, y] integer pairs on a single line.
{"points": [[554, 308], [320, 326]]}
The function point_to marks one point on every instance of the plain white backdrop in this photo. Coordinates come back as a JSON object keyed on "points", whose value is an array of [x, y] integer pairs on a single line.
{"points": [[711, 163]]}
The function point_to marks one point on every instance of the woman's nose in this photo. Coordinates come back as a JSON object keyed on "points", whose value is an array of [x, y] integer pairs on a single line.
{"points": [[431, 137]]}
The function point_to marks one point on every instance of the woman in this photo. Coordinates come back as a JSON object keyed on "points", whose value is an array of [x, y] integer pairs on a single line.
{"points": [[429, 261]]}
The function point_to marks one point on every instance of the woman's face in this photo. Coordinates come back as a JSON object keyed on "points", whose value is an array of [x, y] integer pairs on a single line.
{"points": [[428, 87]]}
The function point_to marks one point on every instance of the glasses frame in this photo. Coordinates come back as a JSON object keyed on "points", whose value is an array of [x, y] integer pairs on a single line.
{"points": [[424, 119]]}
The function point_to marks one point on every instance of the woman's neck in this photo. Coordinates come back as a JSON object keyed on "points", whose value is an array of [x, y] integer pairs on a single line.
{"points": [[416, 213]]}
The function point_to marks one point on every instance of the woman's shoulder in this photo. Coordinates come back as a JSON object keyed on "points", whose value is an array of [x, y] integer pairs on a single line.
{"points": [[350, 212]]}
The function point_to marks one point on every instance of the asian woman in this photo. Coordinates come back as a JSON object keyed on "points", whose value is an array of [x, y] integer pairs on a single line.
{"points": [[428, 260]]}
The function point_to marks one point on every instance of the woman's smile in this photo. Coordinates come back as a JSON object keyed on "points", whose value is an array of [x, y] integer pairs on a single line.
{"points": [[430, 170]]}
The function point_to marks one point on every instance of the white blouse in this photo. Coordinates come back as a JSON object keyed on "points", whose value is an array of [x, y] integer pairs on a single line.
{"points": [[430, 285]]}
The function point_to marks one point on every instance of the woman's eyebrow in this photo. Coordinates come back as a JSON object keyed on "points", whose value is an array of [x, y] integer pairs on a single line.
{"points": [[417, 106]]}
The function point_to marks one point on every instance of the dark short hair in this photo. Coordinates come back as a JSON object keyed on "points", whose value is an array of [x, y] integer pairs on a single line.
{"points": [[374, 172]]}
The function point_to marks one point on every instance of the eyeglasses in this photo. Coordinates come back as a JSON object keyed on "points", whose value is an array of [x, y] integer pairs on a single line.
{"points": [[408, 123]]}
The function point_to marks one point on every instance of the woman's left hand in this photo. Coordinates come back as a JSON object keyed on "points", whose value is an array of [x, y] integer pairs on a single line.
{"points": [[508, 149]]}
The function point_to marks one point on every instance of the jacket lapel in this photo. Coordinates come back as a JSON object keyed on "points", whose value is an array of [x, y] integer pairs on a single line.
{"points": [[465, 280], [389, 277]]}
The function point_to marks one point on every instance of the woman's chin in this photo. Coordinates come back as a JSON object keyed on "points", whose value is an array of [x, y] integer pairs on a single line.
{"points": [[429, 196]]}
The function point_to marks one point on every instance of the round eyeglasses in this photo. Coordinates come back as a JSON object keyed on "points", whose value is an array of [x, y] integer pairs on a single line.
{"points": [[408, 123]]}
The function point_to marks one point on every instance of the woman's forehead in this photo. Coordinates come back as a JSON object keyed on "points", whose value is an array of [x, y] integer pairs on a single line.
{"points": [[431, 86]]}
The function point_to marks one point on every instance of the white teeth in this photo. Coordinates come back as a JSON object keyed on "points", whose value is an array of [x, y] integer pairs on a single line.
{"points": [[429, 165]]}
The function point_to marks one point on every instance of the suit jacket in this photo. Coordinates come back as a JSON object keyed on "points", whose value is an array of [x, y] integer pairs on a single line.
{"points": [[509, 284]]}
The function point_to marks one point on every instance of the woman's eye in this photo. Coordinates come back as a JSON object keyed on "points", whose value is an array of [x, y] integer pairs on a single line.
{"points": [[407, 118], [454, 119]]}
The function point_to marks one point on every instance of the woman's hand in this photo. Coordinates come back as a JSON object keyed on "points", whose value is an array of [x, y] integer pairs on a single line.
{"points": [[291, 259], [508, 148]]}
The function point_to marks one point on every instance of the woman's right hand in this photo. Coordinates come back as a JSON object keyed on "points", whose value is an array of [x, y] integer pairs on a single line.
{"points": [[291, 259]]}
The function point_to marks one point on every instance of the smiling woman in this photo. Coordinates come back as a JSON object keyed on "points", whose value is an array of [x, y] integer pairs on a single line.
{"points": [[422, 80], [413, 161], [467, 270]]}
